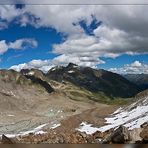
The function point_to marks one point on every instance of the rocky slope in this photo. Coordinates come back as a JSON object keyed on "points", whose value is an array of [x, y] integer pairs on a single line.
{"points": [[126, 125], [29, 101]]}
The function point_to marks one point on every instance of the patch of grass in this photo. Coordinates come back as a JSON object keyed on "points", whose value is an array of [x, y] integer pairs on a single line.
{"points": [[81, 94], [102, 98], [77, 94], [118, 101]]}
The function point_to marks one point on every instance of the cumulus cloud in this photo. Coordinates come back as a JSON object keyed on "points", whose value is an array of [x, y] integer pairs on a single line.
{"points": [[43, 65], [3, 47], [9, 12], [23, 43], [88, 61], [133, 68], [123, 30], [18, 44]]}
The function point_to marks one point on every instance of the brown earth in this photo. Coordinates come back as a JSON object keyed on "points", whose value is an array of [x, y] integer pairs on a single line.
{"points": [[66, 133]]}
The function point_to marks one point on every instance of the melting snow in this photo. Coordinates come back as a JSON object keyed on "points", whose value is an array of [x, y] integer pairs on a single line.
{"points": [[31, 73], [8, 92], [75, 66], [87, 128], [117, 111], [59, 111], [131, 119], [53, 69], [36, 130], [71, 71], [10, 115], [55, 126]]}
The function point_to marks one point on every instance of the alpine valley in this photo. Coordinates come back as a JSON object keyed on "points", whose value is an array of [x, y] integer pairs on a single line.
{"points": [[73, 104]]}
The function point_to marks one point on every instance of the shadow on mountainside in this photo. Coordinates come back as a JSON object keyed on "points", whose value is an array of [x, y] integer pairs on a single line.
{"points": [[44, 84]]}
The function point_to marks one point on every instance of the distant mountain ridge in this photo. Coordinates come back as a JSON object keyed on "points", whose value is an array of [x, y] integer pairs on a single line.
{"points": [[139, 79], [111, 84], [78, 82]]}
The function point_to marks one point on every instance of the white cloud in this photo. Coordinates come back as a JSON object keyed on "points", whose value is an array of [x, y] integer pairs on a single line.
{"points": [[124, 30], [43, 65], [59, 17], [3, 47], [136, 64], [23, 43], [89, 61], [9, 12], [134, 68], [18, 44]]}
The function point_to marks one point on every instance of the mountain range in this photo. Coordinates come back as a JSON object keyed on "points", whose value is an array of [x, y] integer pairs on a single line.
{"points": [[69, 94], [96, 81], [140, 80]]}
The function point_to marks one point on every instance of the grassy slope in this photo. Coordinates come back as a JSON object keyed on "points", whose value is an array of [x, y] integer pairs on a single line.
{"points": [[81, 94]]}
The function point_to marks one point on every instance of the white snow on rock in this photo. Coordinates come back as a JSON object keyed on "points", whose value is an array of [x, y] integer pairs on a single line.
{"points": [[11, 93], [55, 126], [70, 71], [31, 73], [87, 128], [37, 130], [10, 115], [131, 117], [117, 111], [53, 69]]}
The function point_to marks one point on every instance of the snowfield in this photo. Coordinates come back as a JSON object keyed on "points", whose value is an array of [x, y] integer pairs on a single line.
{"points": [[37, 130], [131, 117]]}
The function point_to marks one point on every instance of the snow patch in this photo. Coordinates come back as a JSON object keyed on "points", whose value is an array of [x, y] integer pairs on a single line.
{"points": [[117, 111], [87, 128], [71, 71], [35, 131], [31, 73], [53, 69], [55, 126], [10, 115], [131, 117]]}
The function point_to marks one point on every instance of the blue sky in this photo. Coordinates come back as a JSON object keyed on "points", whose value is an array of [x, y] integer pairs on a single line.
{"points": [[45, 37], [85, 39]]}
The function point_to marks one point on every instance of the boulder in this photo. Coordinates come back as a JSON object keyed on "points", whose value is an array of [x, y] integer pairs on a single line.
{"points": [[6, 140], [119, 136], [144, 134]]}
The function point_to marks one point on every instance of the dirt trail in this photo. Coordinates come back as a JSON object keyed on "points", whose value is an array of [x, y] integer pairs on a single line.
{"points": [[67, 133], [94, 116]]}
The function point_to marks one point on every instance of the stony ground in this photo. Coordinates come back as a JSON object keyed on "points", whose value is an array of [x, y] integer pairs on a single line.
{"points": [[50, 110], [66, 132]]}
